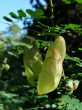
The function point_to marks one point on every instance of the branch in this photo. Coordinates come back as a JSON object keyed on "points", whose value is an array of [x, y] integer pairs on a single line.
{"points": [[52, 14]]}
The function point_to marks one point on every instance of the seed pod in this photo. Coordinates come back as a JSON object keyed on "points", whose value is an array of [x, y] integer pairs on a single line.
{"points": [[33, 63], [51, 73], [70, 85], [29, 73], [75, 84], [5, 60], [60, 45], [6, 67]]}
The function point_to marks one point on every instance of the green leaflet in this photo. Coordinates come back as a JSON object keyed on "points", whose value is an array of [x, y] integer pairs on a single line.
{"points": [[60, 45], [51, 73], [33, 64]]}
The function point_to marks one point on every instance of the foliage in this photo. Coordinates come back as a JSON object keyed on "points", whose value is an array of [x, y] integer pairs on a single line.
{"points": [[71, 103], [16, 92], [14, 29]]}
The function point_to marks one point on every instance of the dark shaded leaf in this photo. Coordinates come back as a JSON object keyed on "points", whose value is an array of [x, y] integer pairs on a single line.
{"points": [[39, 12], [30, 12], [7, 19], [21, 13], [13, 15], [29, 37]]}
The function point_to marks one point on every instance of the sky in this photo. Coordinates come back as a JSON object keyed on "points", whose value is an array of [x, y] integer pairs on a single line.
{"points": [[7, 6]]}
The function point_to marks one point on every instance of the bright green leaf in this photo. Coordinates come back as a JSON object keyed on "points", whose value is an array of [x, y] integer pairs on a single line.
{"points": [[21, 43], [37, 43], [79, 74], [54, 105], [11, 53], [43, 44], [78, 1], [66, 1], [80, 49], [71, 107], [66, 99], [47, 106]]}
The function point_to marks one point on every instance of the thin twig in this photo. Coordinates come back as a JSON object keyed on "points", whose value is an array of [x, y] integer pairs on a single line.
{"points": [[63, 74], [52, 14]]}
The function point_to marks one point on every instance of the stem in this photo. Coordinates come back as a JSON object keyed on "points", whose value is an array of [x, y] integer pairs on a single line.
{"points": [[52, 14], [63, 74]]}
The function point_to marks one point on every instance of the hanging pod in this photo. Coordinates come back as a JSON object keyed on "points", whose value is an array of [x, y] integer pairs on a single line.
{"points": [[33, 64], [51, 73], [60, 45]]}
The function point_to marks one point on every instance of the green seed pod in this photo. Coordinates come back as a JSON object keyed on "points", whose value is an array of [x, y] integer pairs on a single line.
{"points": [[51, 73], [5, 60], [33, 63], [6, 67], [29, 73], [60, 45]]}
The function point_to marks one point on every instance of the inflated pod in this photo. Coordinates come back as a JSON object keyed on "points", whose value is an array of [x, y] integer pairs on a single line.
{"points": [[51, 73], [60, 45], [33, 63], [29, 74]]}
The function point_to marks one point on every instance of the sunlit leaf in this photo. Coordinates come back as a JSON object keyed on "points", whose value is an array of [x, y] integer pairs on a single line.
{"points": [[78, 1], [37, 43], [79, 74], [66, 1], [80, 49], [14, 43], [76, 59], [11, 53]]}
